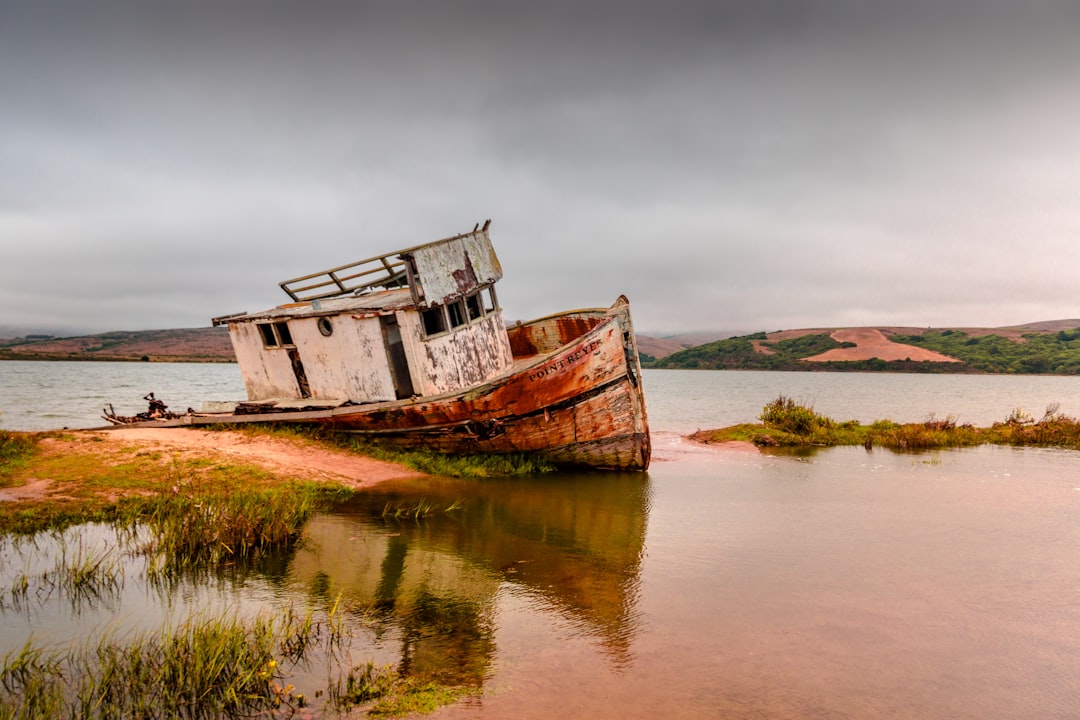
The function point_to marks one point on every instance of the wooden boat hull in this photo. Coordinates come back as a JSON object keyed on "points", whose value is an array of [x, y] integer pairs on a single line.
{"points": [[573, 396]]}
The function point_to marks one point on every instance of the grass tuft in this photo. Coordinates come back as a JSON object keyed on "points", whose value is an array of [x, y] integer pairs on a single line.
{"points": [[418, 510], [194, 525], [388, 694], [362, 684], [787, 417], [203, 668]]}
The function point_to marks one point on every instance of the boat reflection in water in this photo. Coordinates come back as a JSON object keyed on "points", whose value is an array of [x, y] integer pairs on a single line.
{"points": [[430, 588]]}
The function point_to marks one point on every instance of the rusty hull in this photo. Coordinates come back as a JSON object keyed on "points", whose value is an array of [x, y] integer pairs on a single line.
{"points": [[581, 406], [573, 396]]}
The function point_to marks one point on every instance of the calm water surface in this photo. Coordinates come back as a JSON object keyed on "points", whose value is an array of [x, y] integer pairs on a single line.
{"points": [[54, 395], [847, 584]]}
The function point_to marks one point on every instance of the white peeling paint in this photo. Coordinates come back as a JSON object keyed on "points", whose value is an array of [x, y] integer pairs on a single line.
{"points": [[450, 269]]}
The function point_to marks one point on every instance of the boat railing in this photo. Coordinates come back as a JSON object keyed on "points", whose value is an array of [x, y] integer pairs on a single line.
{"points": [[377, 273]]}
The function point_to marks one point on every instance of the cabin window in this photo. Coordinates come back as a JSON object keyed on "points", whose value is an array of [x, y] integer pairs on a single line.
{"points": [[434, 321], [439, 319], [456, 310], [472, 304], [283, 333], [325, 326], [491, 303], [275, 334], [268, 336]]}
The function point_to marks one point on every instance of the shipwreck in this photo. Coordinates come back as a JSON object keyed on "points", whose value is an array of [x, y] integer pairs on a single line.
{"points": [[412, 348]]}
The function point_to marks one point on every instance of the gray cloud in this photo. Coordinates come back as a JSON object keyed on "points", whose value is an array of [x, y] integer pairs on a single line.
{"points": [[742, 165]]}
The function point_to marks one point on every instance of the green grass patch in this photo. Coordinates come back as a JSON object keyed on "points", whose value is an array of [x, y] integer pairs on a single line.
{"points": [[203, 668], [244, 504], [387, 694], [786, 423], [425, 461], [207, 668], [432, 463], [416, 697], [15, 449], [199, 525]]}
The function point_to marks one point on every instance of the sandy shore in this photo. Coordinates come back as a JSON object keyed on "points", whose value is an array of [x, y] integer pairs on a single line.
{"points": [[288, 458]]}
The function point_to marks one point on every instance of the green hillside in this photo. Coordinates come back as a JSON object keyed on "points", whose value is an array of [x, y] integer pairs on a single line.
{"points": [[1036, 353], [1028, 353], [738, 353]]}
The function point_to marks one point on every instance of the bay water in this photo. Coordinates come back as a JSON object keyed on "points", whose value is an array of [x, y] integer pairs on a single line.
{"points": [[55, 395], [722, 583]]}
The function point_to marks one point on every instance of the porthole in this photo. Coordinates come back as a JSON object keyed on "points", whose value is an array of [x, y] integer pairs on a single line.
{"points": [[326, 327]]}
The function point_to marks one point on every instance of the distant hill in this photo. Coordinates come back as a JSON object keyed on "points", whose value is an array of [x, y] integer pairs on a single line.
{"points": [[658, 347], [653, 347], [182, 345], [1051, 347]]}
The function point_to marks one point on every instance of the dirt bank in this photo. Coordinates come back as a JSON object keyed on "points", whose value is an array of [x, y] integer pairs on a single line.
{"points": [[284, 457]]}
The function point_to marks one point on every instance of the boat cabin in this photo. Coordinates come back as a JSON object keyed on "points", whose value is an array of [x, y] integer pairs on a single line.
{"points": [[416, 322]]}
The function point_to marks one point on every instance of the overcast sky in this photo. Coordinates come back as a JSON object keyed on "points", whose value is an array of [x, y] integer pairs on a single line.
{"points": [[727, 165]]}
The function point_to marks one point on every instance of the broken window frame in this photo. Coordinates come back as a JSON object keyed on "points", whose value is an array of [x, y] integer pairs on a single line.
{"points": [[438, 320], [269, 337], [284, 334], [433, 321], [457, 314], [276, 334], [474, 307], [492, 301]]}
